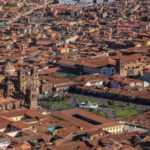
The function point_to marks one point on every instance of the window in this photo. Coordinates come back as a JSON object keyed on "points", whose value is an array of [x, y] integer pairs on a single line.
{"points": [[33, 96], [22, 77]]}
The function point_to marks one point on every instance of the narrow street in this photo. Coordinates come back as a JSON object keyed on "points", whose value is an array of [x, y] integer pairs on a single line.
{"points": [[23, 14]]}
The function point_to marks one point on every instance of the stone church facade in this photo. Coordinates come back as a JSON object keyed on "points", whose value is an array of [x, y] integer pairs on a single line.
{"points": [[19, 89]]}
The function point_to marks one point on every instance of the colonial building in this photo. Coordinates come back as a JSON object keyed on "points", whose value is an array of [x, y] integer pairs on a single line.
{"points": [[9, 69], [29, 86], [131, 65], [22, 88]]}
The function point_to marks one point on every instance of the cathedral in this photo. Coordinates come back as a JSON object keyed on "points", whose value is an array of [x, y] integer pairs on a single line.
{"points": [[19, 88], [29, 86]]}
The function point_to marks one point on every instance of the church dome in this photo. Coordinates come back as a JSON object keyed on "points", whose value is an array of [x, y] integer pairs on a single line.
{"points": [[9, 69]]}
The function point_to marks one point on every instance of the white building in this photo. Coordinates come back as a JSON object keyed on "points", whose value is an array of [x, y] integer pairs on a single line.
{"points": [[104, 1], [108, 71], [68, 1], [86, 1]]}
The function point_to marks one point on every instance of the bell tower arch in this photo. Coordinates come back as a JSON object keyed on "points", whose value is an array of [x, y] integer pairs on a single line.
{"points": [[22, 81]]}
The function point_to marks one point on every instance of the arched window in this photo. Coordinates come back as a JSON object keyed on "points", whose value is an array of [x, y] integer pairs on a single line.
{"points": [[33, 96]]}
